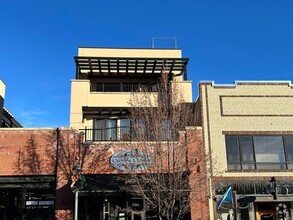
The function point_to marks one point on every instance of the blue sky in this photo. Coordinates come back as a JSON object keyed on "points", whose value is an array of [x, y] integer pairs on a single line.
{"points": [[225, 41]]}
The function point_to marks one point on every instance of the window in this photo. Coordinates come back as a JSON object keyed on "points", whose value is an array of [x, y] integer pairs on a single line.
{"points": [[125, 129], [166, 130], [111, 129], [105, 129], [259, 152]]}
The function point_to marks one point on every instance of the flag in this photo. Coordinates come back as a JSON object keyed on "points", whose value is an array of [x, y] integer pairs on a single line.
{"points": [[226, 197]]}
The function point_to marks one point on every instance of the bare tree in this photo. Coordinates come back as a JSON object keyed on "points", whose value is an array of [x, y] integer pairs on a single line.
{"points": [[159, 168]]}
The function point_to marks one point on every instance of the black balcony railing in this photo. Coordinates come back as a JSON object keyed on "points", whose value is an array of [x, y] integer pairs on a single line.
{"points": [[124, 134], [124, 87], [107, 134]]}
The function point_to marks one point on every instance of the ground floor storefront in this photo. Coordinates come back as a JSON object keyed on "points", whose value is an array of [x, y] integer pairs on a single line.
{"points": [[259, 211], [105, 197], [23, 198], [93, 207], [256, 200]]}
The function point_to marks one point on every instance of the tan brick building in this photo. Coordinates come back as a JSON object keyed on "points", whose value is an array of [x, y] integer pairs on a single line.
{"points": [[248, 134]]}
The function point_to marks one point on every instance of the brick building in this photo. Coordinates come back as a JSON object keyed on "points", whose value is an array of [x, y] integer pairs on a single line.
{"points": [[242, 137], [107, 79], [7, 119], [31, 177], [36, 169], [37, 165], [248, 133]]}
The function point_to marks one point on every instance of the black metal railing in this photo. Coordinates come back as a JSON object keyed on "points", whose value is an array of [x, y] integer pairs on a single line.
{"points": [[106, 134], [124, 87], [125, 133]]}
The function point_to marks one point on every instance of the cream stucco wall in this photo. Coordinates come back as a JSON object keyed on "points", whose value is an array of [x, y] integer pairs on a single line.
{"points": [[2, 89], [244, 107], [82, 96], [79, 97], [120, 52]]}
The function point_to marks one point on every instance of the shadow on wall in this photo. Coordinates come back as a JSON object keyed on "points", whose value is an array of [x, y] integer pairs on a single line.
{"points": [[39, 152]]}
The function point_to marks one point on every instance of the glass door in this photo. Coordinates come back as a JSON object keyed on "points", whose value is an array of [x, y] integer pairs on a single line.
{"points": [[105, 129]]}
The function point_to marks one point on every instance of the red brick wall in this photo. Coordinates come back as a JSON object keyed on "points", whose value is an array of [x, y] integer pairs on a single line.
{"points": [[198, 181], [27, 152], [33, 152], [69, 154], [30, 152]]}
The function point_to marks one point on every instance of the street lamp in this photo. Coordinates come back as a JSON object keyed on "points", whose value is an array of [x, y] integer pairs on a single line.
{"points": [[272, 188], [76, 175], [78, 180], [77, 168]]}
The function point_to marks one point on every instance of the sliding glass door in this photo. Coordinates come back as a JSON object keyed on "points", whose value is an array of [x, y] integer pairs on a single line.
{"points": [[105, 129]]}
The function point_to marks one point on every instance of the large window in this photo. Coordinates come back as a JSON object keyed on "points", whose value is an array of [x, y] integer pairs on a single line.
{"points": [[112, 129], [105, 129], [123, 129], [259, 152]]}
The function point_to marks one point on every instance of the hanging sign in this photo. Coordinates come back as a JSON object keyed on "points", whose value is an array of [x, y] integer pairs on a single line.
{"points": [[130, 160]]}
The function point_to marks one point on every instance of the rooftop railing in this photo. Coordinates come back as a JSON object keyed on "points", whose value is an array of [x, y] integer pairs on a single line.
{"points": [[124, 87]]}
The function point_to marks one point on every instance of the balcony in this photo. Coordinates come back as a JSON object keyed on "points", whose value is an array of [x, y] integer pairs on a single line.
{"points": [[107, 134], [125, 133], [124, 87]]}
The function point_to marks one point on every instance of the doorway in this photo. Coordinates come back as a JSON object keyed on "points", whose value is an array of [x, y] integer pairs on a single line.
{"points": [[137, 216], [272, 211], [265, 211]]}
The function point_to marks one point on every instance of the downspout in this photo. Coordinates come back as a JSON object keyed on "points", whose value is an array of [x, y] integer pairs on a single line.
{"points": [[57, 154]]}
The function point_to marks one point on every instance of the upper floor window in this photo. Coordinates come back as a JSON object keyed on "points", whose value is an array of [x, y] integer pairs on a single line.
{"points": [[259, 152], [105, 129]]}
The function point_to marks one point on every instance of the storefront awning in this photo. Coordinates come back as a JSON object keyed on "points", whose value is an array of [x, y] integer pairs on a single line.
{"points": [[40, 182], [104, 185]]}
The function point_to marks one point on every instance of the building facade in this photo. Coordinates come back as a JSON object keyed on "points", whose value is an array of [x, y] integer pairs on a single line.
{"points": [[38, 167], [248, 136], [107, 81], [2, 95], [35, 168], [7, 119]]}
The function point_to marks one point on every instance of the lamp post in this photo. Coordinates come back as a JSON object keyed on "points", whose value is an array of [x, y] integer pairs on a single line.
{"points": [[76, 172], [234, 204]]}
